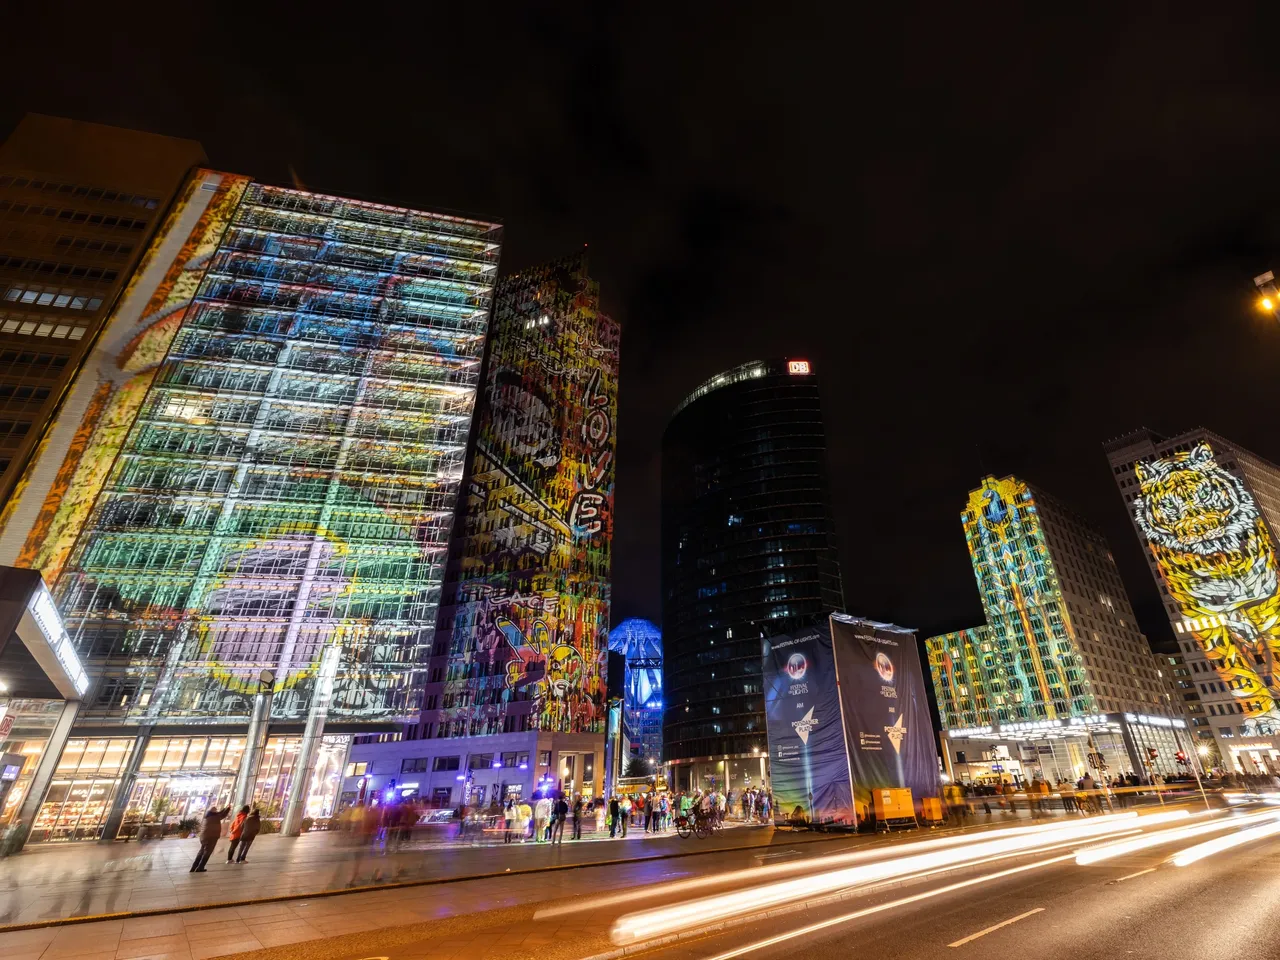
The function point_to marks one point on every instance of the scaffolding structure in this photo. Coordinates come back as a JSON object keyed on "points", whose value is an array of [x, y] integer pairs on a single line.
{"points": [[290, 478]]}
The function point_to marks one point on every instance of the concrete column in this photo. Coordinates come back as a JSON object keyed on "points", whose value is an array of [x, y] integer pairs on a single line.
{"points": [[305, 766], [44, 771], [254, 744], [128, 777]]}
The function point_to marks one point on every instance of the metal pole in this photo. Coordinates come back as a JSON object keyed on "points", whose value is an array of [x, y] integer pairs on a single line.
{"points": [[255, 742], [47, 764], [305, 766], [125, 789], [1195, 767]]}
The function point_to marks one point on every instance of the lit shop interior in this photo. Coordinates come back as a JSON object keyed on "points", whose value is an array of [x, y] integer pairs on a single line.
{"points": [[1065, 750], [179, 778]]}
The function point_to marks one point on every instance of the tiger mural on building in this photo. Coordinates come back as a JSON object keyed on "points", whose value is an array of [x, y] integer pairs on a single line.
{"points": [[1217, 558]]}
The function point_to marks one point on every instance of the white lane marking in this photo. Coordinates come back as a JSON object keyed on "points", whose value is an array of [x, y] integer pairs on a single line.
{"points": [[867, 911], [993, 928], [1130, 876]]}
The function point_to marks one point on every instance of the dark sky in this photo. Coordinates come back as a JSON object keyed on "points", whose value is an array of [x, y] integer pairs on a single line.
{"points": [[1001, 241]]}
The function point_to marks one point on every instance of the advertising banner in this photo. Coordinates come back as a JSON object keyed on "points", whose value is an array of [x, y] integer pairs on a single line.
{"points": [[886, 716], [808, 762]]}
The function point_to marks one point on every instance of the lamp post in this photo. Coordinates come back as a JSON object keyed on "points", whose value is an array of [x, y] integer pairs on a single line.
{"points": [[1268, 294]]}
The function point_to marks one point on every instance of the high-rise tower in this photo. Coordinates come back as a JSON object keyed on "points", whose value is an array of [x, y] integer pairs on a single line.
{"points": [[748, 550]]}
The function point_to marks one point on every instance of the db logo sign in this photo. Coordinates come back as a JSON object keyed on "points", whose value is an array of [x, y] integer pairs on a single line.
{"points": [[797, 366]]}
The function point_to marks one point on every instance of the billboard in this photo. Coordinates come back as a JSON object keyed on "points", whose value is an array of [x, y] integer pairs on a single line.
{"points": [[529, 628], [886, 717], [808, 760], [1217, 558]]}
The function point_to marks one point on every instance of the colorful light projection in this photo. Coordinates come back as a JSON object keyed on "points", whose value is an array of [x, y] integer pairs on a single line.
{"points": [[1218, 561], [1037, 672], [962, 665], [289, 479], [532, 617]]}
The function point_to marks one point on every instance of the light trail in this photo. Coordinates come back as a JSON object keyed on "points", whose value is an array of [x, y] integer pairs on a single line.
{"points": [[1123, 847], [757, 874], [879, 908], [707, 910], [1201, 850]]}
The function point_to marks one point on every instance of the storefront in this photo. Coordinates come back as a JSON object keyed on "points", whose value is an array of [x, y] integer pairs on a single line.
{"points": [[178, 778], [1065, 750], [719, 773]]}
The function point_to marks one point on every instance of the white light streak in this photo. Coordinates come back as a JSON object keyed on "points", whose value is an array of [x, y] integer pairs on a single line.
{"points": [[1219, 844]]}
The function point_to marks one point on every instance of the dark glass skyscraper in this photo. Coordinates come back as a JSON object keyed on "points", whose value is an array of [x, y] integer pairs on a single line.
{"points": [[748, 550]]}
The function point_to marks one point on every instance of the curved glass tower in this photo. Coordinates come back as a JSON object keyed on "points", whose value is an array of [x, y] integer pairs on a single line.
{"points": [[748, 550]]}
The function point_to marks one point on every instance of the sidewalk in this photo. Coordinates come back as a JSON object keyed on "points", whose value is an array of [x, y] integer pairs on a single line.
{"points": [[56, 882]]}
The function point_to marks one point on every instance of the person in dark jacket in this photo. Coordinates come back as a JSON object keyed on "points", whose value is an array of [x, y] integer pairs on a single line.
{"points": [[210, 830], [615, 812], [252, 824]]}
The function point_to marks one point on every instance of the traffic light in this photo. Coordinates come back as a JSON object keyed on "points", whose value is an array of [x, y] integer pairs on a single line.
{"points": [[1181, 757]]}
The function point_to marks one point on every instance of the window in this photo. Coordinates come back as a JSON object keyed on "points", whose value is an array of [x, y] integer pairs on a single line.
{"points": [[446, 763], [544, 758], [356, 769], [414, 765], [480, 761], [56, 297]]}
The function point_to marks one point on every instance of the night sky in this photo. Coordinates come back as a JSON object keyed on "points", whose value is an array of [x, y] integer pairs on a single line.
{"points": [[1001, 242]]}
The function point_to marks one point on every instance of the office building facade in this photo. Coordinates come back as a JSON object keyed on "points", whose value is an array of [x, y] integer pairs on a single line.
{"points": [[1206, 511], [748, 551], [254, 480], [79, 203], [519, 666], [1060, 670]]}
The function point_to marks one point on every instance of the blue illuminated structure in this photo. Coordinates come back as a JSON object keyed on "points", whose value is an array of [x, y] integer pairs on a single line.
{"points": [[641, 643]]}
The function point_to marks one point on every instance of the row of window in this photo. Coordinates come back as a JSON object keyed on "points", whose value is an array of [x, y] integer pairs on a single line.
{"points": [[96, 246], [24, 363], [58, 297], [58, 269], [31, 325], [65, 215], [89, 193]]}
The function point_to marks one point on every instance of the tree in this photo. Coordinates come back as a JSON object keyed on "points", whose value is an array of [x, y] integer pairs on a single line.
{"points": [[638, 767]]}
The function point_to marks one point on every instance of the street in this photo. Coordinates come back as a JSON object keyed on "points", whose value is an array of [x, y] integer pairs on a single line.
{"points": [[1008, 885]]}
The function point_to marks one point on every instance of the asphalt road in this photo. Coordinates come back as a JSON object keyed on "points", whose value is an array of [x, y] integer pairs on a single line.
{"points": [[1039, 904], [1225, 906]]}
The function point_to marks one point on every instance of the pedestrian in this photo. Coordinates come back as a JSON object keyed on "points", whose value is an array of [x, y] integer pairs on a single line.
{"points": [[541, 819], [561, 815], [524, 820], [624, 810], [615, 811], [509, 815], [578, 809], [210, 830], [237, 828], [252, 824]]}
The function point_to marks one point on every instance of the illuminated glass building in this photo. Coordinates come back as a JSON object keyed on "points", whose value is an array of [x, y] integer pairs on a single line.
{"points": [[257, 471], [748, 550], [1061, 657], [1206, 511], [516, 697], [640, 642]]}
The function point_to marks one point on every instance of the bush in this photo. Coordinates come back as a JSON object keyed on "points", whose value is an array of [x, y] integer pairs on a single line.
{"points": [[307, 824], [188, 826]]}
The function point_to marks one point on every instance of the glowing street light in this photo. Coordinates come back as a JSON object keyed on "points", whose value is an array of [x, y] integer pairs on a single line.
{"points": [[1269, 295]]}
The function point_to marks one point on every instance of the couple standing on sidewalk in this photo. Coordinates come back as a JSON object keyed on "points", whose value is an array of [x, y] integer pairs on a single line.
{"points": [[243, 829]]}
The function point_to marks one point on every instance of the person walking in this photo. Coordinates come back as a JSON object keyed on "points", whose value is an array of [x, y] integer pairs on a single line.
{"points": [[561, 815], [237, 829], [524, 819], [578, 810], [210, 830], [615, 810], [509, 815], [541, 819], [252, 825]]}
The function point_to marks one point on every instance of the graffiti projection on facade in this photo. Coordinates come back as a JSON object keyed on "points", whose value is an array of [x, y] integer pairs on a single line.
{"points": [[533, 604], [1218, 561], [288, 480], [1038, 673]]}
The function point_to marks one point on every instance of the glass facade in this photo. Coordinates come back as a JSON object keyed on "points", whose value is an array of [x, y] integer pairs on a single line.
{"points": [[962, 665], [748, 548], [273, 466], [525, 627]]}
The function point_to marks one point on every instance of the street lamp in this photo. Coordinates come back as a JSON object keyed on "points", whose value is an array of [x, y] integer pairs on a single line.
{"points": [[1269, 295]]}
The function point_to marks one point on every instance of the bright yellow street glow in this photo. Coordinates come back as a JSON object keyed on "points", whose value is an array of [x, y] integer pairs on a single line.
{"points": [[1266, 304]]}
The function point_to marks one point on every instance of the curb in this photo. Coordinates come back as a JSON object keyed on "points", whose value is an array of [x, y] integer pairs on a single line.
{"points": [[399, 885]]}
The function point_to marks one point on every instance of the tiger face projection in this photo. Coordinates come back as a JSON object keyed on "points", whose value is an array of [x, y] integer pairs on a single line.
{"points": [[1218, 561]]}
